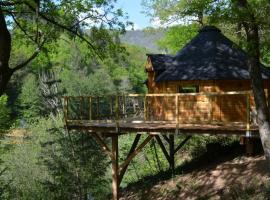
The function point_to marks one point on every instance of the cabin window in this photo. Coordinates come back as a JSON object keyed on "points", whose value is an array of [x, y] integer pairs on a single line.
{"points": [[189, 89]]}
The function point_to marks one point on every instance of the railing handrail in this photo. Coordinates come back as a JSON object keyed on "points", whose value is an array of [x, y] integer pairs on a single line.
{"points": [[164, 94], [115, 105]]}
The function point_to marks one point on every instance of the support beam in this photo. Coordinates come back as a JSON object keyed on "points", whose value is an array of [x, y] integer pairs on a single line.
{"points": [[166, 138], [136, 151], [163, 148], [182, 144], [132, 149], [172, 152], [100, 141], [115, 168], [249, 146]]}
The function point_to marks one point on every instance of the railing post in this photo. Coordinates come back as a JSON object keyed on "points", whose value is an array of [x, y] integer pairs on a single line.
{"points": [[81, 108], [177, 112], [145, 108], [124, 106], [90, 108], [111, 106], [248, 114], [98, 108], [66, 108], [117, 112]]}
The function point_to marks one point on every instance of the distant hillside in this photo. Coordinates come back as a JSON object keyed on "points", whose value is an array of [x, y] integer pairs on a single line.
{"points": [[146, 39]]}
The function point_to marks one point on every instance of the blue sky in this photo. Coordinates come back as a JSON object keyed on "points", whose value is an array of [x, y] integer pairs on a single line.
{"points": [[133, 9]]}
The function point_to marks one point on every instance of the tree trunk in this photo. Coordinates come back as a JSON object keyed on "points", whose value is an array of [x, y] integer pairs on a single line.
{"points": [[5, 48], [258, 89], [5, 76], [257, 84]]}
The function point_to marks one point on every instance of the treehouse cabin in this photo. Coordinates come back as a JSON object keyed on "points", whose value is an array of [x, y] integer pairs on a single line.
{"points": [[203, 89], [211, 76]]}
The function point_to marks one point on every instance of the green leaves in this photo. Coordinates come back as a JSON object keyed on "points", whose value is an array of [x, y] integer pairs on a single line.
{"points": [[177, 37], [4, 113]]}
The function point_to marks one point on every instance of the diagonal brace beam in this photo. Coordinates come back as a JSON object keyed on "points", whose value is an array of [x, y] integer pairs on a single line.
{"points": [[104, 146], [132, 149], [163, 148], [182, 144], [135, 152]]}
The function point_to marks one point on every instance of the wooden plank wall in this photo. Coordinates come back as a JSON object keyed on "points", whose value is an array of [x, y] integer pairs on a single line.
{"points": [[202, 108]]}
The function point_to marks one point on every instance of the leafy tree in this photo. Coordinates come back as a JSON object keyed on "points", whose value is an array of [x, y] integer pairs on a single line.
{"points": [[41, 22], [29, 99], [173, 41]]}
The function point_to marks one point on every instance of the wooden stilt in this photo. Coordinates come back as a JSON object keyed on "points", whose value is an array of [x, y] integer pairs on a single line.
{"points": [[172, 163], [249, 146], [115, 168], [163, 148]]}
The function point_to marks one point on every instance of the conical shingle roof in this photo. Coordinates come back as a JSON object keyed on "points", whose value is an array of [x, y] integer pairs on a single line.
{"points": [[208, 56]]}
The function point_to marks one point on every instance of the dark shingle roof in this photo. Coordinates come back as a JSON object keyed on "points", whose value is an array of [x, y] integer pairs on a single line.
{"points": [[160, 62], [208, 56]]}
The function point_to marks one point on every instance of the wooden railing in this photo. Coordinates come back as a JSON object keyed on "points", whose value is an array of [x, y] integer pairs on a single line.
{"points": [[208, 108]]}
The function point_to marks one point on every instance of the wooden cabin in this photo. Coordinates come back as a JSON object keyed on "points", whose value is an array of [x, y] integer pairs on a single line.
{"points": [[209, 65]]}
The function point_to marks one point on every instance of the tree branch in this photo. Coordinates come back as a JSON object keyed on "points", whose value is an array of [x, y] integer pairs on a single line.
{"points": [[23, 64], [65, 28], [22, 29], [32, 57], [10, 3]]}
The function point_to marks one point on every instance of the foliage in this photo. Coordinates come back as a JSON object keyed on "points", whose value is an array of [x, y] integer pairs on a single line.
{"points": [[29, 99], [4, 114], [173, 41], [49, 163]]}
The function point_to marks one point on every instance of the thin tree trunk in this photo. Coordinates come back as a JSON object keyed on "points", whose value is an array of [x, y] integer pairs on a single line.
{"points": [[253, 41], [258, 89]]}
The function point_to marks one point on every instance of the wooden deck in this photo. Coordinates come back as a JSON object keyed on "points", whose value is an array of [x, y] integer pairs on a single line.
{"points": [[156, 115], [191, 113], [163, 128]]}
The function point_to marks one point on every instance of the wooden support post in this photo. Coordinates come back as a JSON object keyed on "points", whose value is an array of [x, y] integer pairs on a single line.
{"points": [[115, 168], [172, 163], [249, 146]]}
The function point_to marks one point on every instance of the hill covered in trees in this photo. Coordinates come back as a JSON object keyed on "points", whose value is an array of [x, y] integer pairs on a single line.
{"points": [[144, 38]]}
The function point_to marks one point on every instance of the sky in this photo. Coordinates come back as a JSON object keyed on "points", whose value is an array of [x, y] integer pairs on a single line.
{"points": [[133, 9]]}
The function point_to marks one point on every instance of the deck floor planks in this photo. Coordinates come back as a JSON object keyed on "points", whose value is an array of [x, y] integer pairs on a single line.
{"points": [[162, 127]]}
